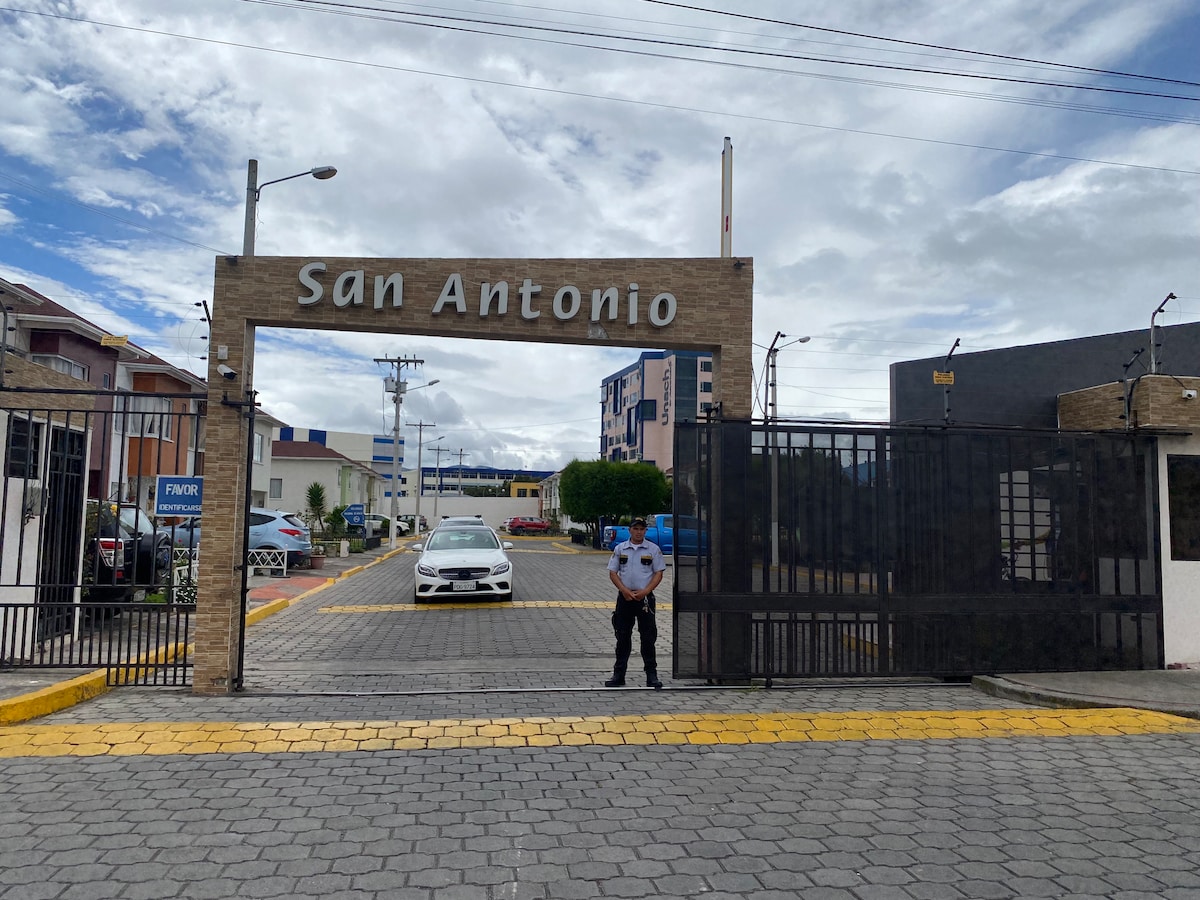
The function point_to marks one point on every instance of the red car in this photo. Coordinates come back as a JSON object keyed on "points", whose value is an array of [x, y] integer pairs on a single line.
{"points": [[527, 525]]}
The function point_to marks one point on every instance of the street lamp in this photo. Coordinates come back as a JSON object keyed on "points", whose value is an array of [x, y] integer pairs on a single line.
{"points": [[421, 472], [437, 479], [253, 189], [772, 415], [398, 389]]}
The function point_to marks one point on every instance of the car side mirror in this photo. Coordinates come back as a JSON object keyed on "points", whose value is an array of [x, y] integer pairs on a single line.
{"points": [[507, 545]]}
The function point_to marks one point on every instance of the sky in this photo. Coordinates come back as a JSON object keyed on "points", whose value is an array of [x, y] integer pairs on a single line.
{"points": [[906, 174]]}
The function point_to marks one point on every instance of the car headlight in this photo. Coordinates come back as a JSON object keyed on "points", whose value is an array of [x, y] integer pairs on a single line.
{"points": [[427, 571], [501, 568]]}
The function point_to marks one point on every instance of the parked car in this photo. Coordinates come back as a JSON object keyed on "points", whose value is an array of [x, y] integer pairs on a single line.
{"points": [[152, 549], [527, 525], [460, 520], [380, 525], [463, 561], [270, 529], [108, 553]]}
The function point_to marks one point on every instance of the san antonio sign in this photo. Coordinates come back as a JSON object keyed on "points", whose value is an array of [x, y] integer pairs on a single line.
{"points": [[666, 304]]}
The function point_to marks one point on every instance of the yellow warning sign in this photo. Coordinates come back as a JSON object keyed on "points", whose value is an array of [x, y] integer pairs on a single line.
{"points": [[114, 340], [943, 378]]}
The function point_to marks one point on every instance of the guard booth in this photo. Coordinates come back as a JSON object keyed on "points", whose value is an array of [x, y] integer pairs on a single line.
{"points": [[915, 551]]}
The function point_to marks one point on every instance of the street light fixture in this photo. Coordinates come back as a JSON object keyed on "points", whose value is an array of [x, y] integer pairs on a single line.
{"points": [[772, 415], [421, 475], [254, 189], [399, 389]]}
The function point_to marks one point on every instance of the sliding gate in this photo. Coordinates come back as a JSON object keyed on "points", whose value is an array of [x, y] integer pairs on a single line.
{"points": [[834, 552]]}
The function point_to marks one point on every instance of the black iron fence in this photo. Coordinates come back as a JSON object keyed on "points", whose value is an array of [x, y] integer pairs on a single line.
{"points": [[859, 551], [87, 576], [136, 643]]}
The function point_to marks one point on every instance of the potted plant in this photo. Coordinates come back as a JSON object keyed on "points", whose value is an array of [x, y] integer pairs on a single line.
{"points": [[317, 560]]}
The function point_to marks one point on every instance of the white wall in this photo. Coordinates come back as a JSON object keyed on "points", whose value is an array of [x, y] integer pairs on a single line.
{"points": [[1181, 578], [493, 509]]}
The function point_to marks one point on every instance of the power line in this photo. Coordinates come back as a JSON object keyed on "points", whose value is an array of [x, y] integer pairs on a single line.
{"points": [[872, 37], [631, 102], [344, 9]]}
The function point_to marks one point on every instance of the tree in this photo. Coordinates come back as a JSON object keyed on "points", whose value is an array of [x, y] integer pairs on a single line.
{"points": [[314, 496], [591, 490]]}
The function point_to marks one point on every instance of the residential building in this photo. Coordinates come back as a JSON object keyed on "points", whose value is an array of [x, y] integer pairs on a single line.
{"points": [[261, 480], [642, 403], [297, 464]]}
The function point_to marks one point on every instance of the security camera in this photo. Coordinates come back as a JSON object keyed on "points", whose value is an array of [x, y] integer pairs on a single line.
{"points": [[227, 373]]}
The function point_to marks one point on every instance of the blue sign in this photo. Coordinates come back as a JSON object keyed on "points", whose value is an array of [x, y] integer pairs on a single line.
{"points": [[355, 514], [178, 495]]}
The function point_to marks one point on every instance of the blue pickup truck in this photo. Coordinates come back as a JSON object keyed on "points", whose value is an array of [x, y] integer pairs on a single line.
{"points": [[661, 530]]}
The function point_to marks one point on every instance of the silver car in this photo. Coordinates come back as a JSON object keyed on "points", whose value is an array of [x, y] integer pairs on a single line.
{"points": [[463, 562], [270, 529]]}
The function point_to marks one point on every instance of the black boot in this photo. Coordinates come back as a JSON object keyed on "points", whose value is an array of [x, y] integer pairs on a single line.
{"points": [[652, 681], [615, 681]]}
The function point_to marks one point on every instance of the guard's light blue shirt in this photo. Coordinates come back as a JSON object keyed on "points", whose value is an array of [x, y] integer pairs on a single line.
{"points": [[636, 564]]}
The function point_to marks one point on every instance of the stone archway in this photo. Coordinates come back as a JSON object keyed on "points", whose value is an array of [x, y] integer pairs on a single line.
{"points": [[672, 304]]}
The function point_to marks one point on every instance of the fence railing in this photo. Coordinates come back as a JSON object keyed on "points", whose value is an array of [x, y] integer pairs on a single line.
{"points": [[138, 643]]}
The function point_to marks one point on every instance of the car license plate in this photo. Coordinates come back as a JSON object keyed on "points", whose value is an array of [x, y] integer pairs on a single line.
{"points": [[464, 585]]}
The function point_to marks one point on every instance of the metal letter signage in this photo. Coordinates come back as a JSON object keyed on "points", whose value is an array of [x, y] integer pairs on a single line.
{"points": [[349, 289]]}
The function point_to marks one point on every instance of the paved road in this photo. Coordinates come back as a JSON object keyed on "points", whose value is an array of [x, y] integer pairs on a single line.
{"points": [[314, 785]]}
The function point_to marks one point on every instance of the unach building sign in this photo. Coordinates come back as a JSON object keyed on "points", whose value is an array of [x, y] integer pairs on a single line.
{"points": [[350, 288]]}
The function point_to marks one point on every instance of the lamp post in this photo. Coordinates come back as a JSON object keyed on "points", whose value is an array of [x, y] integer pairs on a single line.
{"points": [[421, 426], [398, 389], [772, 414], [437, 479], [254, 189]]}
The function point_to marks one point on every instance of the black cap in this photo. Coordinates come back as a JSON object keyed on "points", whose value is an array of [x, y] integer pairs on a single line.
{"points": [[638, 520]]}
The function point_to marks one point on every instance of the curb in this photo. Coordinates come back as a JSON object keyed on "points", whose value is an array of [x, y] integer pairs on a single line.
{"points": [[997, 686]]}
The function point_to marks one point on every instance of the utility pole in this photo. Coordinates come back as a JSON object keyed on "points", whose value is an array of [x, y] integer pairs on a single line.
{"points": [[398, 388], [461, 454], [420, 426]]}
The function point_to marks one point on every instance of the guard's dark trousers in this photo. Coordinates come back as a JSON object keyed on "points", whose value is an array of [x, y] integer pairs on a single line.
{"points": [[623, 618]]}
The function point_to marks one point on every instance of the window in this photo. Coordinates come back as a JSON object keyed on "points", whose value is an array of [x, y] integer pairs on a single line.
{"points": [[60, 364], [276, 490], [522, 492], [706, 387], [24, 447], [1183, 499], [147, 416], [258, 447], [706, 365]]}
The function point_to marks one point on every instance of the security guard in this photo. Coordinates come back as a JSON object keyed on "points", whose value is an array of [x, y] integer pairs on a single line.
{"points": [[636, 568]]}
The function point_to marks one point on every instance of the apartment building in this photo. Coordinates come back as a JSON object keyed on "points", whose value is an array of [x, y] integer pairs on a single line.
{"points": [[642, 402]]}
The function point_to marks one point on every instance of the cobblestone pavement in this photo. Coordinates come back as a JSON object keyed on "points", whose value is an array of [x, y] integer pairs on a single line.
{"points": [[491, 765]]}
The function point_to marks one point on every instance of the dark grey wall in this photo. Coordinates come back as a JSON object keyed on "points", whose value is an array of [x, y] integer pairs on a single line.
{"points": [[1020, 385]]}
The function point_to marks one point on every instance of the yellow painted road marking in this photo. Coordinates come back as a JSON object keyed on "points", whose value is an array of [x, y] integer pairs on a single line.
{"points": [[194, 738], [436, 605]]}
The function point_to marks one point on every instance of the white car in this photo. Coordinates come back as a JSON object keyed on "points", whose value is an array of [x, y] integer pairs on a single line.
{"points": [[463, 562], [376, 521]]}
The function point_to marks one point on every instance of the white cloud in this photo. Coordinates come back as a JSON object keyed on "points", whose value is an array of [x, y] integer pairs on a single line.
{"points": [[880, 247]]}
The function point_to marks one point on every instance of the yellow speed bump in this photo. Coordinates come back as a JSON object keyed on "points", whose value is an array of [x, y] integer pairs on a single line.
{"points": [[196, 738]]}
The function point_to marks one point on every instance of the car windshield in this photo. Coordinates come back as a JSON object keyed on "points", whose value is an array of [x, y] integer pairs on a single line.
{"points": [[135, 520], [466, 539]]}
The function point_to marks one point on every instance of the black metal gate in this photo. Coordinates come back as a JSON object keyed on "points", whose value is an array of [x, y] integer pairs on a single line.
{"points": [[832, 552], [88, 578]]}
